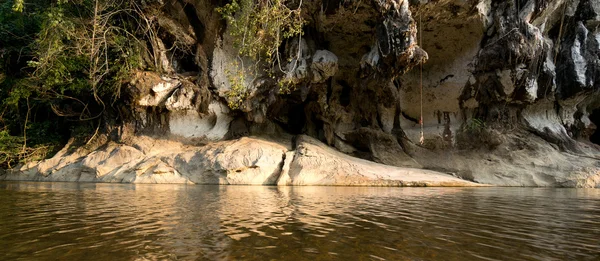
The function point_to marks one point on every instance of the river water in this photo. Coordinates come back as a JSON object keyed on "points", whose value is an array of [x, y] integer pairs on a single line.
{"points": [[71, 221]]}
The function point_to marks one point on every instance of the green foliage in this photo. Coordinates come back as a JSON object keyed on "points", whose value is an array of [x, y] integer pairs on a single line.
{"points": [[18, 90], [89, 52], [12, 150], [10, 147], [43, 133], [71, 48], [475, 125], [476, 134], [286, 86], [237, 80], [58, 66], [17, 32], [260, 27], [18, 6], [65, 57]]}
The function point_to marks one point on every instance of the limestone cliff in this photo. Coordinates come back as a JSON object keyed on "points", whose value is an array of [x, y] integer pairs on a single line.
{"points": [[510, 89]]}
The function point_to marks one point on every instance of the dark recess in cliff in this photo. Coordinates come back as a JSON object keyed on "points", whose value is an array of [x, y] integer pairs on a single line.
{"points": [[595, 118], [192, 16]]}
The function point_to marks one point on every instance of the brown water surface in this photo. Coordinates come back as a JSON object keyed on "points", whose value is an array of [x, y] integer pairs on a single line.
{"points": [[70, 221]]}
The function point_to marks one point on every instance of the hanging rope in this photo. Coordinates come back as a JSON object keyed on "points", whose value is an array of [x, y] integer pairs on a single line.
{"points": [[422, 139], [560, 31]]}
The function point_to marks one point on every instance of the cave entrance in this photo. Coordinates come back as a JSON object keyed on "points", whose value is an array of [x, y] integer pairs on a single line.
{"points": [[192, 16], [595, 118]]}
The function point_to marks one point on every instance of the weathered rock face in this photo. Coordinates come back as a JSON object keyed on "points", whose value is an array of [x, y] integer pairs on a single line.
{"points": [[451, 32], [340, 76], [524, 84], [245, 161], [323, 66], [177, 106], [314, 163], [532, 56], [242, 162], [508, 93], [257, 161]]}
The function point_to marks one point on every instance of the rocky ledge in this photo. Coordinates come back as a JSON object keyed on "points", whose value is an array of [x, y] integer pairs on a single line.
{"points": [[244, 161], [507, 93]]}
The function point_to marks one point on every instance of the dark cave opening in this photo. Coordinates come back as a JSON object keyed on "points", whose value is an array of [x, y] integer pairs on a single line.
{"points": [[192, 16], [297, 119], [186, 63], [346, 93], [595, 118], [289, 114]]}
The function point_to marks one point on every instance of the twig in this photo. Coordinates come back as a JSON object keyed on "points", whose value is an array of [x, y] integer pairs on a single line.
{"points": [[25, 126], [93, 136], [502, 37]]}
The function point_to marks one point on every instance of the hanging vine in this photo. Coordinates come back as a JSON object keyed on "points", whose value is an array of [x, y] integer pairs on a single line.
{"points": [[258, 28]]}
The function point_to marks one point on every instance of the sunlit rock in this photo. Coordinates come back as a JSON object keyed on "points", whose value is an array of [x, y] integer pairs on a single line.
{"points": [[316, 164], [245, 161], [324, 65], [213, 125]]}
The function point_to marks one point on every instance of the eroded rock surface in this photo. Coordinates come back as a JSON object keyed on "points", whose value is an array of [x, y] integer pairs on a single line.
{"points": [[314, 163], [245, 161], [507, 92]]}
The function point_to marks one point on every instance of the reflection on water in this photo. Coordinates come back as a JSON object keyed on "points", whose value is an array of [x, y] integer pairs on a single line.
{"points": [[48, 221]]}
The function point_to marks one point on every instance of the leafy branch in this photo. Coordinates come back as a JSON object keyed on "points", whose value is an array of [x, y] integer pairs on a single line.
{"points": [[258, 28]]}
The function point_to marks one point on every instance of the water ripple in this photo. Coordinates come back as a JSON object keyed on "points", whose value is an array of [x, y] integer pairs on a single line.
{"points": [[49, 221]]}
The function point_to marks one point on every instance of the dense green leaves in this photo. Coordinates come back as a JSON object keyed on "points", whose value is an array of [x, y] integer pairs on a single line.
{"points": [[61, 61], [259, 27]]}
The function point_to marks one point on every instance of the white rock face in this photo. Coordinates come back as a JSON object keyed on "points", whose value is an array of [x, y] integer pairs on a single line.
{"points": [[484, 7], [452, 47], [106, 161], [371, 58], [531, 87], [187, 104], [578, 59], [246, 161], [154, 170], [284, 177], [387, 117], [541, 118], [549, 66], [527, 11], [220, 65], [596, 7], [255, 161], [316, 164], [506, 81], [181, 99], [226, 64], [190, 124], [324, 65], [297, 70], [160, 92]]}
